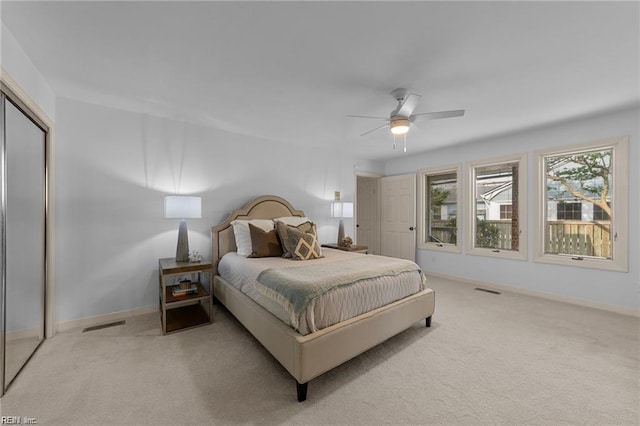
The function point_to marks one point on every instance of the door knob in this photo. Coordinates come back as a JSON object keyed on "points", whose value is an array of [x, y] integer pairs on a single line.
{"points": [[411, 228]]}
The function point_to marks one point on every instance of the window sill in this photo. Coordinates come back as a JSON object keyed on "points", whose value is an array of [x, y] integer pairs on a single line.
{"points": [[586, 262], [445, 248], [498, 254]]}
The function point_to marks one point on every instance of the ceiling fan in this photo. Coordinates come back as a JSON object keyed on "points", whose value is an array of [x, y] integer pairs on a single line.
{"points": [[401, 118]]}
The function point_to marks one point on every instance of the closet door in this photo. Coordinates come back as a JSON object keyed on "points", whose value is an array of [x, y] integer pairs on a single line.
{"points": [[24, 201]]}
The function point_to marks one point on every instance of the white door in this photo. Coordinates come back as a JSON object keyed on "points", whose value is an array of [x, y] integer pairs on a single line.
{"points": [[367, 224], [398, 236]]}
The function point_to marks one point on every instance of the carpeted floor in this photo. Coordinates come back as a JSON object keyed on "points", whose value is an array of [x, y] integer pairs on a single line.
{"points": [[502, 359]]}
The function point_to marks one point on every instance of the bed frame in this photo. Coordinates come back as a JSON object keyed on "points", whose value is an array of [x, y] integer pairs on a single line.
{"points": [[306, 357]]}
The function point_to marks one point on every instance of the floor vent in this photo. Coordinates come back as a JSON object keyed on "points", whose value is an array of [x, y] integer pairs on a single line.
{"points": [[99, 327], [487, 291]]}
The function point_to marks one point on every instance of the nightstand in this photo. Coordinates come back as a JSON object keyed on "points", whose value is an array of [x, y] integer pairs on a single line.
{"points": [[354, 247], [181, 312]]}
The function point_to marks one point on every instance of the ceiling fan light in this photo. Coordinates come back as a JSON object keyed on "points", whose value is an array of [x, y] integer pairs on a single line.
{"points": [[399, 126]]}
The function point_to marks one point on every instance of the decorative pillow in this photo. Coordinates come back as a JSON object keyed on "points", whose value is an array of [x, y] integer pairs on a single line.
{"points": [[303, 245], [283, 233], [264, 243], [292, 220], [242, 235]]}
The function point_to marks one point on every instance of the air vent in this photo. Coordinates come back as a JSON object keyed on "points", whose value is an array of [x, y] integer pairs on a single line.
{"points": [[487, 290], [99, 327]]}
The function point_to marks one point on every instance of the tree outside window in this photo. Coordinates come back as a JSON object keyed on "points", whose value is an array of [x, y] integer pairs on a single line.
{"points": [[579, 191], [582, 218]]}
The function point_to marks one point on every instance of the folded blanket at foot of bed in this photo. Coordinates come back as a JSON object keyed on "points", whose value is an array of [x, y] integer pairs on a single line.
{"points": [[295, 287]]}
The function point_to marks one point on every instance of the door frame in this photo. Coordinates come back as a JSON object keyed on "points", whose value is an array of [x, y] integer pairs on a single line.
{"points": [[32, 109]]}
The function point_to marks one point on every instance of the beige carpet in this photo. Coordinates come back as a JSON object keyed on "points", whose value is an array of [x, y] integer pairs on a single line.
{"points": [[488, 359]]}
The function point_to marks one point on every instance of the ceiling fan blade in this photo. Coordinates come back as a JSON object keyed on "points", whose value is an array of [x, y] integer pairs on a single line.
{"points": [[437, 115], [374, 129], [408, 105], [368, 116]]}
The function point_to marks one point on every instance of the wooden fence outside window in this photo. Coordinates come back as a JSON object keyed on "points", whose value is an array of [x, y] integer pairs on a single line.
{"points": [[574, 237]]}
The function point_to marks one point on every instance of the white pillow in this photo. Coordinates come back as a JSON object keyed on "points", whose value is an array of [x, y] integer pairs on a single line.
{"points": [[243, 237], [292, 220]]}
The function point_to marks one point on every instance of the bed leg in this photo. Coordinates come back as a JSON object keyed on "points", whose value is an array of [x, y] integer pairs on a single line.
{"points": [[428, 321], [302, 391]]}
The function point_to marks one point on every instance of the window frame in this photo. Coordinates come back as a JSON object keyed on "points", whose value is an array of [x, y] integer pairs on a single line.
{"points": [[620, 207], [423, 174], [470, 222]]}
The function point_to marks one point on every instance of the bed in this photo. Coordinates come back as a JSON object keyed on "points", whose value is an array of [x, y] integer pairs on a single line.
{"points": [[306, 356]]}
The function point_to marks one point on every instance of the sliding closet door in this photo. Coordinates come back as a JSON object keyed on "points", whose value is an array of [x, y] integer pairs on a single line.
{"points": [[24, 189]]}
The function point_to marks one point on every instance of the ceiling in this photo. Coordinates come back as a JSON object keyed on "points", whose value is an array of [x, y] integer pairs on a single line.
{"points": [[293, 71]]}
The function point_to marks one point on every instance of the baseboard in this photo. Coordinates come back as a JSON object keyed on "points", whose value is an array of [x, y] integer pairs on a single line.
{"points": [[102, 319], [549, 296], [23, 334]]}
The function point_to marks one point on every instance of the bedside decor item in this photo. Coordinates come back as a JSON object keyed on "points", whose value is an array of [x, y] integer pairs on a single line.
{"points": [[346, 242], [341, 210], [184, 285], [195, 256], [182, 207], [185, 288]]}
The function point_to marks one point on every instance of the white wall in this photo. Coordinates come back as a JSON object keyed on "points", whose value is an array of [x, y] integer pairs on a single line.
{"points": [[593, 286], [20, 68], [113, 170]]}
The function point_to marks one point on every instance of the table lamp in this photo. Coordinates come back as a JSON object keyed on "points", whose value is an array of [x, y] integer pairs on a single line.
{"points": [[182, 207], [341, 210]]}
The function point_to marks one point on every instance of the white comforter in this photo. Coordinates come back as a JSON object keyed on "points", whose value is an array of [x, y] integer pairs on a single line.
{"points": [[335, 306]]}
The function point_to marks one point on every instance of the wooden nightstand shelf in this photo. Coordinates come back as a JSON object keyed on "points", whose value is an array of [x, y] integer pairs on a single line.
{"points": [[354, 247], [183, 312]]}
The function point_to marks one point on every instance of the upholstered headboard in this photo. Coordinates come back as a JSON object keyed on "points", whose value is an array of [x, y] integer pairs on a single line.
{"points": [[266, 207]]}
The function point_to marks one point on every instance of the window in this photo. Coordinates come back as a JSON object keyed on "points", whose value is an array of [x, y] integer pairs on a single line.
{"points": [[600, 214], [439, 198], [497, 201], [582, 212], [506, 211], [569, 211]]}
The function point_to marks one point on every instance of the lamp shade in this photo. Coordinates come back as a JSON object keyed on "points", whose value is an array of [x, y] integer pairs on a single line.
{"points": [[341, 209], [182, 207], [399, 126]]}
